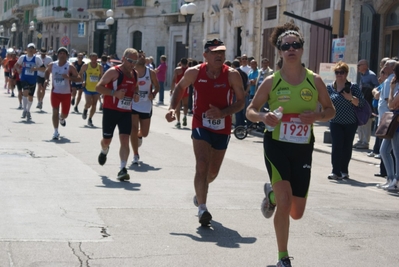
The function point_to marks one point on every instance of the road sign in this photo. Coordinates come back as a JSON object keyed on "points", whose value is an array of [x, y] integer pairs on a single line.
{"points": [[39, 36], [65, 41]]}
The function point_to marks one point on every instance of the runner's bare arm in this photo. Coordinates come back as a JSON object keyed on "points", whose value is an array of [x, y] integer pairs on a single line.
{"points": [[155, 84], [47, 73], [189, 78], [111, 75], [73, 74]]}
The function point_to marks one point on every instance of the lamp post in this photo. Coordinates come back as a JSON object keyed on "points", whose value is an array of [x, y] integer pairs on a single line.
{"points": [[13, 30], [109, 21], [1, 30], [188, 10], [31, 29]]}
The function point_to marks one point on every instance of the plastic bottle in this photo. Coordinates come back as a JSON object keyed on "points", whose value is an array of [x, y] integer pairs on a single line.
{"points": [[279, 114]]}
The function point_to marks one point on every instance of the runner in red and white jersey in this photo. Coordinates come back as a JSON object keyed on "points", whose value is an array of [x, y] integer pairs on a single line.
{"points": [[119, 87], [215, 84]]}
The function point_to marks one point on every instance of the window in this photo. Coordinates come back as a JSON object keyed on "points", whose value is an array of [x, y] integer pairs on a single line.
{"points": [[137, 39], [322, 4], [270, 13], [393, 17]]}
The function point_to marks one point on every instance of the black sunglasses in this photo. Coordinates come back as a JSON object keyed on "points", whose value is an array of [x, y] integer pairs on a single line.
{"points": [[295, 45], [341, 72]]}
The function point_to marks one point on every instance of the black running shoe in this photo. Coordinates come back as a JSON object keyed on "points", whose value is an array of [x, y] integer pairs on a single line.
{"points": [[204, 217], [90, 122], [63, 122], [123, 175], [76, 109], [73, 102], [102, 158]]}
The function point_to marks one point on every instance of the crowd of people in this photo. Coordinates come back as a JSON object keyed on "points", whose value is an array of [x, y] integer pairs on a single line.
{"points": [[213, 91]]}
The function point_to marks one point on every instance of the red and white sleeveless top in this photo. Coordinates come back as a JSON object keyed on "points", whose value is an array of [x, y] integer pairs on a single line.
{"points": [[122, 83], [216, 92]]}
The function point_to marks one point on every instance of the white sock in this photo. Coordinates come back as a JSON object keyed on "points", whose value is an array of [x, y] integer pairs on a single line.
{"points": [[105, 151], [29, 105], [55, 130], [123, 164], [25, 102], [202, 207]]}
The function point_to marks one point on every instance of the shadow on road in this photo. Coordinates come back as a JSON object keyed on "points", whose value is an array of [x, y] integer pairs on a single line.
{"points": [[222, 236], [108, 183], [142, 167], [353, 182]]}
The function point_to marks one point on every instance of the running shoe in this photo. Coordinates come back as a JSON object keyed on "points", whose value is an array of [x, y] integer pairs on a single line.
{"points": [[84, 115], [76, 109], [344, 175], [73, 102], [102, 158], [384, 185], [20, 106], [123, 175], [56, 135], [63, 122], [90, 122], [392, 186], [371, 154], [267, 207], [178, 125], [12, 94], [24, 114], [184, 121], [204, 217], [136, 159], [284, 262], [195, 201], [40, 104], [28, 116], [333, 176], [140, 142]]}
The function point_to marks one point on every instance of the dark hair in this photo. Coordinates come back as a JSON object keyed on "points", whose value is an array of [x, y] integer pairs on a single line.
{"points": [[281, 31], [280, 62], [228, 63], [184, 61], [396, 71], [236, 63]]}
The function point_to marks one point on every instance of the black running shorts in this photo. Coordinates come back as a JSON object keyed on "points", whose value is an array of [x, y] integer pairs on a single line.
{"points": [[112, 118]]}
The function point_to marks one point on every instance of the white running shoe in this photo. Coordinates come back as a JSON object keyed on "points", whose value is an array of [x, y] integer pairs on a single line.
{"points": [[393, 185], [383, 185], [136, 159], [56, 135]]}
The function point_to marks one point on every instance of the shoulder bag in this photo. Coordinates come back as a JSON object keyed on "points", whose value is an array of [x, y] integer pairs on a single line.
{"points": [[388, 125]]}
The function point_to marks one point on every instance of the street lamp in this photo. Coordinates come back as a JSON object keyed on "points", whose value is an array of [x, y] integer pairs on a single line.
{"points": [[1, 30], [188, 10], [13, 30], [109, 21], [31, 29]]}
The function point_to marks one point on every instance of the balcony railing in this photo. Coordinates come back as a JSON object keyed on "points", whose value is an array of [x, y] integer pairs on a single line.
{"points": [[26, 4], [130, 3], [99, 4], [44, 13], [71, 15]]}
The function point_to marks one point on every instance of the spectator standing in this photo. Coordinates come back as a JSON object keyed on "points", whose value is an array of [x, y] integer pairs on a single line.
{"points": [[344, 96], [244, 64], [240, 115], [368, 81], [161, 76]]}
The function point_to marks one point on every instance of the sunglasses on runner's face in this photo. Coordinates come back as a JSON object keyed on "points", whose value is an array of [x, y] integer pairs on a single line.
{"points": [[341, 72], [295, 45], [131, 60]]}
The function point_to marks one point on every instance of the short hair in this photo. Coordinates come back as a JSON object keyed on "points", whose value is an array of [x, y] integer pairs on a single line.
{"points": [[130, 51], [228, 63], [236, 63], [265, 59], [340, 65], [93, 54], [104, 57], [184, 61], [163, 57]]}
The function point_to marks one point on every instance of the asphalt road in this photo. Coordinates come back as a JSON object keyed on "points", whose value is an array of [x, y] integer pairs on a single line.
{"points": [[60, 208]]}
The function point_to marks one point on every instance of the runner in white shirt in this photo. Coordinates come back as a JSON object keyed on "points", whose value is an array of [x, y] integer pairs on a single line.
{"points": [[40, 77]]}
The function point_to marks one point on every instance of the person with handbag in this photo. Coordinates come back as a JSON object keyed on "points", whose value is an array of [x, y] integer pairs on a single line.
{"points": [[388, 145], [344, 95]]}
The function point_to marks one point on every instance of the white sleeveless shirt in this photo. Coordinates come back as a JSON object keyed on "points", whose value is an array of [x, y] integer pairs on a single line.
{"points": [[60, 85], [144, 105]]}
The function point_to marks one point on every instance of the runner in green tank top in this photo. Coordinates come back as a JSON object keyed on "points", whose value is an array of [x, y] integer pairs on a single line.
{"points": [[288, 148]]}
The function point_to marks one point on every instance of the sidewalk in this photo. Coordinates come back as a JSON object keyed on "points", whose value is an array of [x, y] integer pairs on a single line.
{"points": [[319, 129]]}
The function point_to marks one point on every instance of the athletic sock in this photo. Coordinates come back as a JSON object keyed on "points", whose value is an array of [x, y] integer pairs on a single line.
{"points": [[272, 198], [24, 102], [202, 207], [105, 151], [282, 255], [123, 164], [29, 105]]}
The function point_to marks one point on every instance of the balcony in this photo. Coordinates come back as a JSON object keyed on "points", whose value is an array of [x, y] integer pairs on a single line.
{"points": [[99, 7], [71, 15], [130, 6], [28, 4], [44, 13]]}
